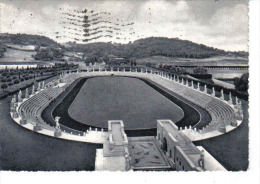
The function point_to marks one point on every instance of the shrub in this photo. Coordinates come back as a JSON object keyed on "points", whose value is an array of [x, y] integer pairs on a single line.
{"points": [[149, 64], [4, 73], [10, 84], [3, 80], [14, 77], [22, 79], [16, 81], [242, 82], [4, 86], [200, 70]]}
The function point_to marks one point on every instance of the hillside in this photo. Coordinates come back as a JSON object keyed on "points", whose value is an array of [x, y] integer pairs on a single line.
{"points": [[18, 48], [15, 55], [153, 46], [24, 39], [211, 61]]}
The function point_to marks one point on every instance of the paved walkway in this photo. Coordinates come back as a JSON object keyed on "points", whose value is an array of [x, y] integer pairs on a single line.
{"points": [[109, 163]]}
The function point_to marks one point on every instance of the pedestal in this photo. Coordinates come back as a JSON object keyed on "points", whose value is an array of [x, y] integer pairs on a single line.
{"points": [[233, 123], [12, 109], [222, 129], [15, 114], [57, 133], [238, 116], [20, 99], [23, 122], [36, 128]]}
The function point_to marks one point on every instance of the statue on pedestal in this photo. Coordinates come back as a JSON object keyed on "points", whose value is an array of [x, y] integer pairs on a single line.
{"points": [[201, 160], [43, 84], [230, 98], [33, 90], [26, 93], [213, 92], [39, 86], [57, 132], [222, 94], [57, 119], [20, 96]]}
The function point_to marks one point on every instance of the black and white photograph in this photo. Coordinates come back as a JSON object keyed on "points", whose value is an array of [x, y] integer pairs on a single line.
{"points": [[132, 86]]}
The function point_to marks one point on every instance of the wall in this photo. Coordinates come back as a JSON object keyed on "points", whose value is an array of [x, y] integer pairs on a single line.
{"points": [[176, 156]]}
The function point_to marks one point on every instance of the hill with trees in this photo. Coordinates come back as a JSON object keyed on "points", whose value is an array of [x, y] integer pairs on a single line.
{"points": [[46, 48], [152, 46], [25, 39]]}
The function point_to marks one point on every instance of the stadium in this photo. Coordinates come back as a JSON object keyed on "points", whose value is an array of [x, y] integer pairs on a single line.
{"points": [[97, 90], [137, 96]]}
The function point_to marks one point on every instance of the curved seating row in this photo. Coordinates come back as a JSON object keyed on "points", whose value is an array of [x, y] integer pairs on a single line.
{"points": [[221, 113], [31, 109]]}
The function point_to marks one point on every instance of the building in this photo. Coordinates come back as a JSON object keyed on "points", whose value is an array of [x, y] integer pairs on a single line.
{"points": [[169, 150]]}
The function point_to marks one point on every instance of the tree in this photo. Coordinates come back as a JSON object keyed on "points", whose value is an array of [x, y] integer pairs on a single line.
{"points": [[4, 86], [4, 74], [149, 64], [241, 83], [3, 80], [200, 70], [16, 81]]}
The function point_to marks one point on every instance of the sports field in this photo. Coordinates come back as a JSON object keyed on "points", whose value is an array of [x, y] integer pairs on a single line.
{"points": [[108, 98]]}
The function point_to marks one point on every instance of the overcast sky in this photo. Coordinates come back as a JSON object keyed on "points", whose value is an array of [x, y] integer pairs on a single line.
{"points": [[217, 23]]}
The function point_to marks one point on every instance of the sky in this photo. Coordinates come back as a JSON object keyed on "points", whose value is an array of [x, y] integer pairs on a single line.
{"points": [[221, 24]]}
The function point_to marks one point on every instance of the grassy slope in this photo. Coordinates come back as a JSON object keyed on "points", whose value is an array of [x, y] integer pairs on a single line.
{"points": [[15, 55], [212, 61]]}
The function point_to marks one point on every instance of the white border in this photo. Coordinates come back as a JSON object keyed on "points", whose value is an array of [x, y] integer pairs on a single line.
{"points": [[251, 176]]}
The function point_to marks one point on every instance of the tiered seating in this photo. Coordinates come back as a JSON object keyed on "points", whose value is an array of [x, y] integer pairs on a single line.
{"points": [[221, 113], [32, 108]]}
